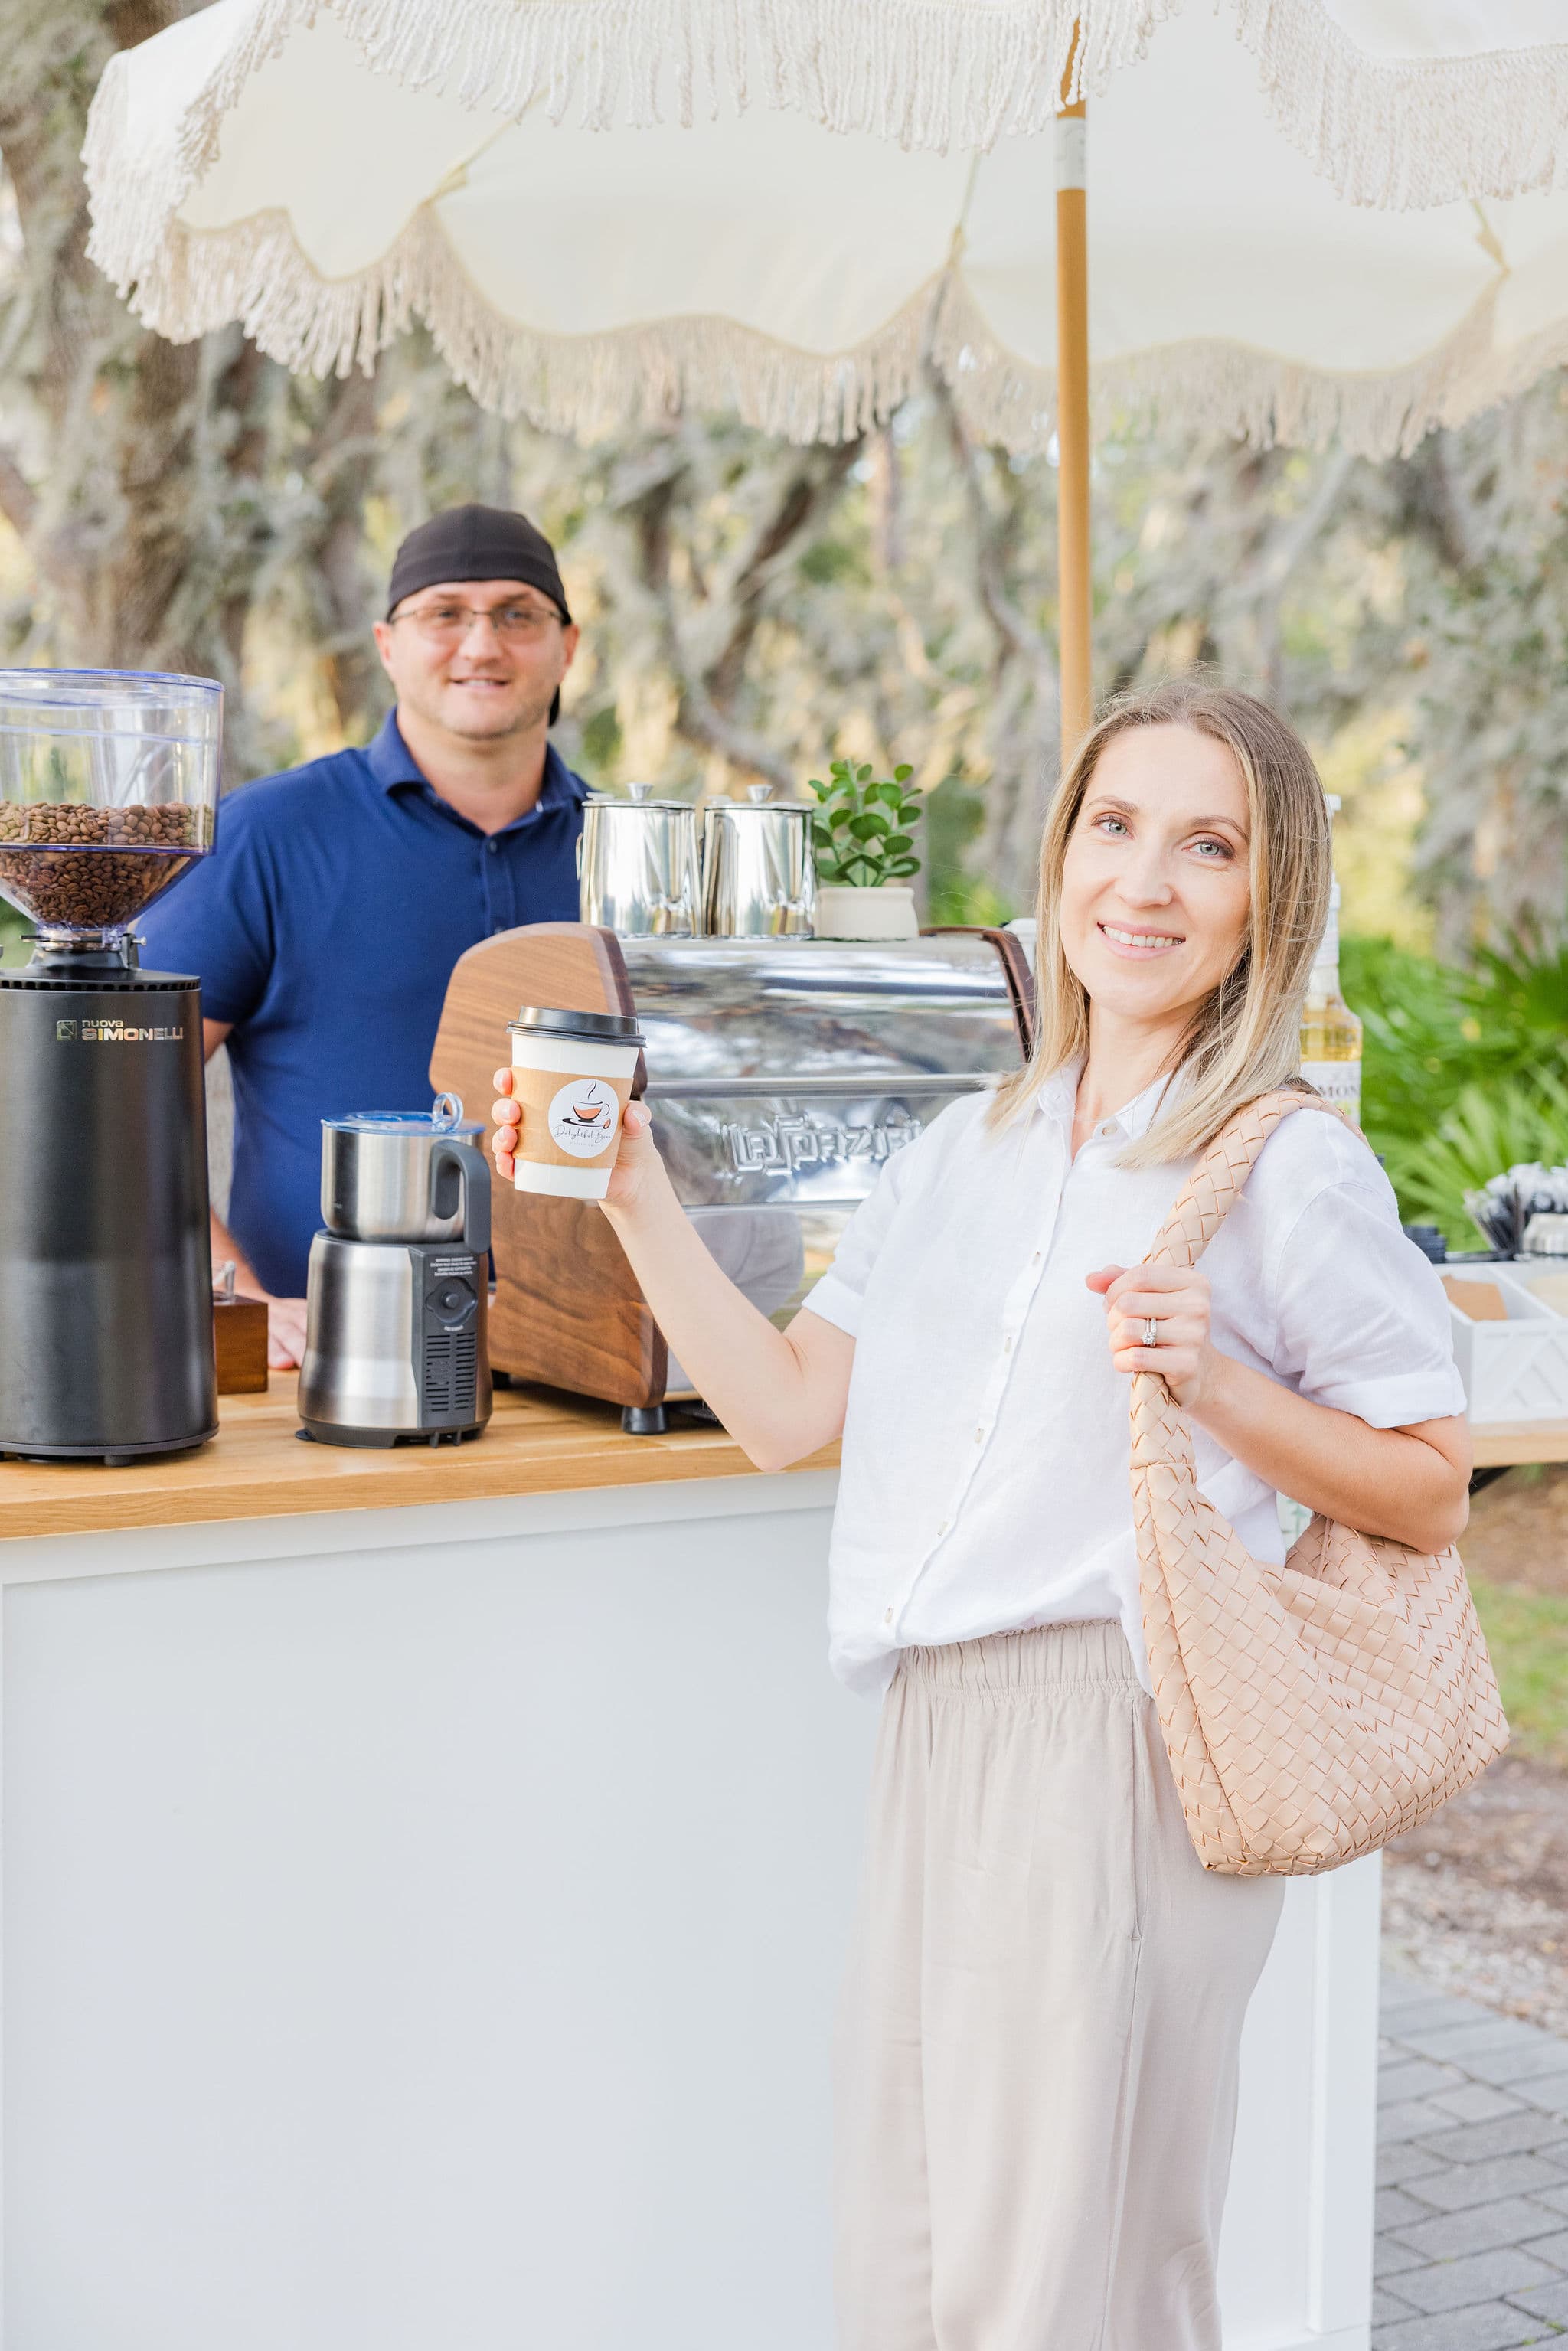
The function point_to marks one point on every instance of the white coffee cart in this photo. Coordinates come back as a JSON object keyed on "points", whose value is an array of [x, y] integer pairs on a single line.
{"points": [[425, 1878]]}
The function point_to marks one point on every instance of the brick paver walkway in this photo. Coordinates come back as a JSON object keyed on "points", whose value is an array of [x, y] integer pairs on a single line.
{"points": [[1472, 2175]]}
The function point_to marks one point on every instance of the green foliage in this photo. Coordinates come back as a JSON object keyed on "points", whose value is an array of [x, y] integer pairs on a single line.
{"points": [[955, 814], [964, 898], [1518, 996], [15, 937], [1485, 1130], [834, 563], [1527, 1635], [1465, 1072], [601, 734], [862, 833], [1417, 1054]]}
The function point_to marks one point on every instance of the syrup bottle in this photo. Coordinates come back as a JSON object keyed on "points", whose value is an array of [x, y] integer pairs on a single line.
{"points": [[1331, 1031]]}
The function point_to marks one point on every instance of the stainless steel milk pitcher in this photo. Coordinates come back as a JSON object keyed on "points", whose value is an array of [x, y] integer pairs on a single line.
{"points": [[637, 865], [406, 1175], [758, 875]]}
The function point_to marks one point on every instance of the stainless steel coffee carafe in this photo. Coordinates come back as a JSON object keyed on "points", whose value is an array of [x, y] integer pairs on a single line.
{"points": [[397, 1292], [758, 875], [637, 865]]}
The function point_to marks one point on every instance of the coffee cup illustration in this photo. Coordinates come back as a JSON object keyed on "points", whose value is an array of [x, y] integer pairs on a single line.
{"points": [[587, 1109]]}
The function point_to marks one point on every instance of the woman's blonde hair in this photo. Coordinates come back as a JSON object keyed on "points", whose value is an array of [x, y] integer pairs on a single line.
{"points": [[1247, 1037]]}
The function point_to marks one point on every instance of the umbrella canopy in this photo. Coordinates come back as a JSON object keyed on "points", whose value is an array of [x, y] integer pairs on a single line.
{"points": [[327, 176]]}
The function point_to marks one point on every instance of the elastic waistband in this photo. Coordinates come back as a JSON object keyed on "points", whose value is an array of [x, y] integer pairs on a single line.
{"points": [[1047, 1656]]}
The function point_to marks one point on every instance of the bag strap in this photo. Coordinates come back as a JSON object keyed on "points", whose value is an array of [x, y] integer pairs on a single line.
{"points": [[1216, 1183]]}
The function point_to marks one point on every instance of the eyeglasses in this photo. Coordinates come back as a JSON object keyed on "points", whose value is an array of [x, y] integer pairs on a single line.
{"points": [[441, 625]]}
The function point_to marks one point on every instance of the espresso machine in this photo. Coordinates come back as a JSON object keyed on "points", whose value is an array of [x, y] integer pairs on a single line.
{"points": [[108, 787], [782, 1072], [397, 1288]]}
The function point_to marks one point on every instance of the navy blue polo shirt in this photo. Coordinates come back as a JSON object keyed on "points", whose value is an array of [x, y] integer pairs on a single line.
{"points": [[324, 927]]}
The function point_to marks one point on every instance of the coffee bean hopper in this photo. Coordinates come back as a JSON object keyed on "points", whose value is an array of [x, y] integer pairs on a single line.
{"points": [[108, 786]]}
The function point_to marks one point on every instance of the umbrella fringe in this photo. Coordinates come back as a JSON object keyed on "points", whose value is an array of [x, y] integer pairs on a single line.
{"points": [[583, 385], [1403, 134], [903, 70], [1392, 133], [591, 385], [1228, 389]]}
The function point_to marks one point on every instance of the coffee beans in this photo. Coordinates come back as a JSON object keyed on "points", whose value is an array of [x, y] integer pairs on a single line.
{"points": [[82, 824], [101, 865]]}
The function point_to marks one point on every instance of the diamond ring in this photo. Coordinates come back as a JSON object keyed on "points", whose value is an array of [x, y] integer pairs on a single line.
{"points": [[1151, 1331]]}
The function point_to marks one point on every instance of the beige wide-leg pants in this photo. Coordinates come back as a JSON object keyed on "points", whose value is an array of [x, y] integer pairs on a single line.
{"points": [[1038, 2046]]}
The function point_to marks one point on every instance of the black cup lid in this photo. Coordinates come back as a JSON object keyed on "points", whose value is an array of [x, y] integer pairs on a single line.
{"points": [[603, 1028]]}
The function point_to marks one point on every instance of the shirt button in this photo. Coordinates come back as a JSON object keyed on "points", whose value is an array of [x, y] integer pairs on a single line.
{"points": [[1006, 1346], [1035, 1259], [888, 1618], [1108, 1129], [944, 1526]]}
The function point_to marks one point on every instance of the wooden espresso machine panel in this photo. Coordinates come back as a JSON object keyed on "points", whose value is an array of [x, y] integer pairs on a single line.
{"points": [[568, 1310], [781, 1074]]}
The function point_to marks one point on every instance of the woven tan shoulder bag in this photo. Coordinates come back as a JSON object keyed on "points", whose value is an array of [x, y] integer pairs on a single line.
{"points": [[1314, 1711]]}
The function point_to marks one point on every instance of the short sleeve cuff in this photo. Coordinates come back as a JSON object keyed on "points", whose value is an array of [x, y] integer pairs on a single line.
{"points": [[216, 1006], [837, 1303], [1398, 1402]]}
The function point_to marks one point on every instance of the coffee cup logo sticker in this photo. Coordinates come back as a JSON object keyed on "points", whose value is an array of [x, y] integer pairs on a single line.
{"points": [[583, 1117]]}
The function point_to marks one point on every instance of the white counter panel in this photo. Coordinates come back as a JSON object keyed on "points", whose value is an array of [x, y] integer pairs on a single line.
{"points": [[433, 1942]]}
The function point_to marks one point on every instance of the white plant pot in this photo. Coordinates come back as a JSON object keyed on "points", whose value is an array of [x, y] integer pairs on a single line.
{"points": [[885, 912]]}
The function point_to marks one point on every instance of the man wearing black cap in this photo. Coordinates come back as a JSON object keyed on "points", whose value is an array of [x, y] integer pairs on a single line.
{"points": [[325, 925]]}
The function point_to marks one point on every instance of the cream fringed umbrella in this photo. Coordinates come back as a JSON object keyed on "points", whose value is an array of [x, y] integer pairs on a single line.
{"points": [[1307, 219]]}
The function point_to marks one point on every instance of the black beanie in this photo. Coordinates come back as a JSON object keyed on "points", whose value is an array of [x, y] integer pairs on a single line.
{"points": [[477, 543]]}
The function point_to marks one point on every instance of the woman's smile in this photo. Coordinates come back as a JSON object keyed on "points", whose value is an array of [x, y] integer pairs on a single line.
{"points": [[1139, 943]]}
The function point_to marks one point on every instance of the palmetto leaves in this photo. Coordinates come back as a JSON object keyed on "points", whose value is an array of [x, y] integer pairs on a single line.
{"points": [[1509, 1123], [861, 833], [1465, 1072]]}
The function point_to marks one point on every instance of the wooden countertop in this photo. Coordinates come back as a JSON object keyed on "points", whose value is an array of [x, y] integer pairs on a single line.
{"points": [[1503, 1443], [538, 1442]]}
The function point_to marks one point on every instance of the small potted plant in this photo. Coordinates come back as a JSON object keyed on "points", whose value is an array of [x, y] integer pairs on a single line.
{"points": [[862, 836]]}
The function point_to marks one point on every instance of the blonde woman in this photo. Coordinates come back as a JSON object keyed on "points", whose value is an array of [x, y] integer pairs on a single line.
{"points": [[1039, 2045]]}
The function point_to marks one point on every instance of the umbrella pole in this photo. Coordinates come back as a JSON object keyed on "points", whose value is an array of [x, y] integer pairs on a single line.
{"points": [[1074, 605]]}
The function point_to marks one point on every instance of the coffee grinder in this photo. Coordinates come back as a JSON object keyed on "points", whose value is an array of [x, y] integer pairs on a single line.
{"points": [[108, 787]]}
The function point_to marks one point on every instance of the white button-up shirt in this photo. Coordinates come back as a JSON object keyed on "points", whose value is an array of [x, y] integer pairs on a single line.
{"points": [[985, 1483]]}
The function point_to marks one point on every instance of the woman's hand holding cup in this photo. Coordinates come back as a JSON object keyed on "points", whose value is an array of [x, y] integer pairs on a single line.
{"points": [[507, 1116], [636, 1161]]}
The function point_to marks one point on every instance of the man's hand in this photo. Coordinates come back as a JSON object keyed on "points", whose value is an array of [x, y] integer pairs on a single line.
{"points": [[284, 1316], [284, 1333]]}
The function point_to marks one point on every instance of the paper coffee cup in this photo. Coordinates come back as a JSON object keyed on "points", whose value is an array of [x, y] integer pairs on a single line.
{"points": [[572, 1073]]}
